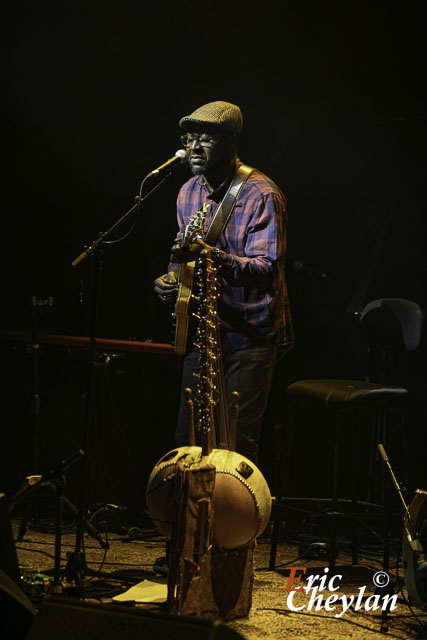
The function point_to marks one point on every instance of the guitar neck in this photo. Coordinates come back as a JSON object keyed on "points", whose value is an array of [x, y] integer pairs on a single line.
{"points": [[181, 317]]}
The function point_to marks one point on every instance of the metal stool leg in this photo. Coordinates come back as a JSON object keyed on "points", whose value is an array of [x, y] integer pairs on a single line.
{"points": [[334, 510]]}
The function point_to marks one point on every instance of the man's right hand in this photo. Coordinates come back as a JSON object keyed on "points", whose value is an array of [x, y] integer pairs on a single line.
{"points": [[166, 287]]}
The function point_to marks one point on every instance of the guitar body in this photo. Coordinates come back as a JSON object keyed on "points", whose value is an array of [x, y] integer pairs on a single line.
{"points": [[182, 313]]}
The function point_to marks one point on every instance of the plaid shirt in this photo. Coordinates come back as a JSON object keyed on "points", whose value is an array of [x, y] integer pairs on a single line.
{"points": [[253, 304]]}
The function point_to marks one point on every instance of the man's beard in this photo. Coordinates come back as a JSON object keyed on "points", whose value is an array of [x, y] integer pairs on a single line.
{"points": [[197, 171]]}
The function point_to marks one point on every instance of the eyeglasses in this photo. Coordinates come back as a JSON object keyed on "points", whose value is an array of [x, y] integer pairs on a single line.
{"points": [[201, 138]]}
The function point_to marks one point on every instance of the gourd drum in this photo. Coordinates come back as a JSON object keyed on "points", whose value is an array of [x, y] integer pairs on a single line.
{"points": [[241, 497]]}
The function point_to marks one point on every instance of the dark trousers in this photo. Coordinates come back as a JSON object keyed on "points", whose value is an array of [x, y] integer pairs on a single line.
{"points": [[248, 371]]}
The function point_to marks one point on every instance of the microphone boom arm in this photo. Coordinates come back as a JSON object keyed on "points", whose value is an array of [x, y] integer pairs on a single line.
{"points": [[102, 237]]}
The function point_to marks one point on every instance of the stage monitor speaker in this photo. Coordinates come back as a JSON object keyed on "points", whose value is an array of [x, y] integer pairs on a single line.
{"points": [[17, 612], [69, 618], [8, 558]]}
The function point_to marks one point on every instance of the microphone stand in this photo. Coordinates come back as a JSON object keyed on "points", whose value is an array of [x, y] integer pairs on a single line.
{"points": [[411, 533], [76, 568], [54, 478]]}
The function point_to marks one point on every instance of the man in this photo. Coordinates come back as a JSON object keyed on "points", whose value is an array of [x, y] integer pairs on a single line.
{"points": [[250, 252]]}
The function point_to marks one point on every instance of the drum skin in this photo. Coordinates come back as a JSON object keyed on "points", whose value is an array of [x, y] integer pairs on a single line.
{"points": [[241, 498]]}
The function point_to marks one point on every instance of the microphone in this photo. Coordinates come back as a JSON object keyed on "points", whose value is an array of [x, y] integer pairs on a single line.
{"points": [[179, 157], [299, 265]]}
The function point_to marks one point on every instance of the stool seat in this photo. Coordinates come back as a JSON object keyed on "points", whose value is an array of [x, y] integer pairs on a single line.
{"points": [[344, 392]]}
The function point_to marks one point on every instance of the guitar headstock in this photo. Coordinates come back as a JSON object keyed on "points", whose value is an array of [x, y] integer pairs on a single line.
{"points": [[194, 228]]}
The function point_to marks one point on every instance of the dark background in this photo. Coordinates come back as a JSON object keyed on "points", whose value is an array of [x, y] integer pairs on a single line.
{"points": [[333, 96]]}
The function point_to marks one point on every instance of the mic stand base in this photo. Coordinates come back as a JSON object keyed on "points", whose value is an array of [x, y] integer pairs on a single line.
{"points": [[89, 528], [76, 570], [33, 483]]}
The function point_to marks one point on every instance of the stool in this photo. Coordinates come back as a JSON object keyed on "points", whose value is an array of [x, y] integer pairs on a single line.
{"points": [[339, 397], [390, 327]]}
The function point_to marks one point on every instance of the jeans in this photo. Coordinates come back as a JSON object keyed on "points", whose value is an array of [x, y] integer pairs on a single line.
{"points": [[250, 372]]}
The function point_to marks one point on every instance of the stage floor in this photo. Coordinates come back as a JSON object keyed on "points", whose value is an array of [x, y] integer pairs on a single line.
{"points": [[130, 560]]}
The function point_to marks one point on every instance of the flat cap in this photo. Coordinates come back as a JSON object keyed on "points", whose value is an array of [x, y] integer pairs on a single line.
{"points": [[223, 115]]}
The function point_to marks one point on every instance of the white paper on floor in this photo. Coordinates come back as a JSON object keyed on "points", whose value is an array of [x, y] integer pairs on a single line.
{"points": [[145, 591]]}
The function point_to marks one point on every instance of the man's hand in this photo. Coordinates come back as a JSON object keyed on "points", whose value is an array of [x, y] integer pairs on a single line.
{"points": [[166, 287], [190, 253]]}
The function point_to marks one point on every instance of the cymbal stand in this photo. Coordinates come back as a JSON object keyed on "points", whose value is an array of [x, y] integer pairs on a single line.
{"points": [[76, 566], [411, 533]]}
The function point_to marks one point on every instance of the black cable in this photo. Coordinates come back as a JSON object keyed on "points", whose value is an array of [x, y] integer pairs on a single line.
{"points": [[116, 417], [318, 615], [98, 571], [408, 604], [284, 564], [44, 553], [137, 210], [128, 564]]}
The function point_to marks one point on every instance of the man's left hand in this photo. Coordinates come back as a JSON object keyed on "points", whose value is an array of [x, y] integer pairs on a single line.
{"points": [[190, 253]]}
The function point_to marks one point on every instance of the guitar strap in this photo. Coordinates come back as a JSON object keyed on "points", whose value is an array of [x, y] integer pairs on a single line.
{"points": [[226, 206]]}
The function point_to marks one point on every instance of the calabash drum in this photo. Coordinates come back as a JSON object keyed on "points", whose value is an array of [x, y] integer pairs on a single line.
{"points": [[241, 498], [416, 580]]}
